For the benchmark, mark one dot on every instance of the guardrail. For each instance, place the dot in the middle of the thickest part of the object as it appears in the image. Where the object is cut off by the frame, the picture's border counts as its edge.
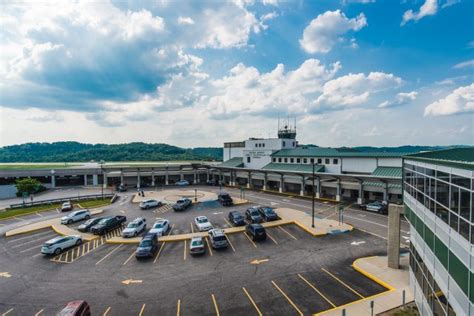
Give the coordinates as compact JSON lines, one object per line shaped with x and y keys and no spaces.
{"x":64,"y":199}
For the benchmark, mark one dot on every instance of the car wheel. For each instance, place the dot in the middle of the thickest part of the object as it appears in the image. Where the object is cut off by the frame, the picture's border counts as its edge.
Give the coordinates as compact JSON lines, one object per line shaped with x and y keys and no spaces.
{"x":69,"y":222}
{"x":78,"y":242}
{"x":57,"y":251}
{"x":88,"y":217}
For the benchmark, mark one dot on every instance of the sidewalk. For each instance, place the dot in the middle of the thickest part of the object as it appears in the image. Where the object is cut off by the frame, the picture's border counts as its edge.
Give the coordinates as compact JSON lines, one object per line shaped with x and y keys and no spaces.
{"x":395,"y":280}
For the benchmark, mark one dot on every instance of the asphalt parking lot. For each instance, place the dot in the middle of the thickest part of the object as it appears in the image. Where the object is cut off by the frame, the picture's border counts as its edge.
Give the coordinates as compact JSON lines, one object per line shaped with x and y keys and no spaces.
{"x":289,"y":273}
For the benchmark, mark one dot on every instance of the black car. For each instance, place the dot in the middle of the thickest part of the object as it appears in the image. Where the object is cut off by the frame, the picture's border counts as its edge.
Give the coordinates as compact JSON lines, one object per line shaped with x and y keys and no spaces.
{"x":107,"y":224}
{"x":86,"y":226}
{"x":121,"y":188}
{"x":256,"y":231}
{"x":212,"y":182}
{"x":236,"y":218}
{"x":182,"y":204}
{"x":147,"y":247}
{"x":225,"y":199}
{"x":253,"y":216}
{"x":268,"y":214}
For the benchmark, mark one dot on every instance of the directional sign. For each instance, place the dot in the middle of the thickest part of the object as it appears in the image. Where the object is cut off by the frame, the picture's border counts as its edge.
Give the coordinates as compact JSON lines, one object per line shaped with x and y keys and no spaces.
{"x":131,"y":281}
{"x":258,"y":261}
{"x":357,"y":243}
{"x":5,"y":274}
{"x":273,"y":203}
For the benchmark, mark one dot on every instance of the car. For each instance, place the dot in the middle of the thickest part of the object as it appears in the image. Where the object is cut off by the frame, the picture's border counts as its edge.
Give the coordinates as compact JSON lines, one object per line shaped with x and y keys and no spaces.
{"x":86,"y":226}
{"x":146,"y":204}
{"x":377,"y":206}
{"x":67,"y":206}
{"x":134,"y":228}
{"x":268,"y":214}
{"x":182,"y":182}
{"x":236,"y":218}
{"x":218,"y":238}
{"x":225,"y":199}
{"x":212,"y":182}
{"x":256,"y":231}
{"x":253,"y":216}
{"x":107,"y":224}
{"x":75,"y":308}
{"x":202,"y":223}
{"x":121,"y":188}
{"x":160,"y":227}
{"x":182,"y":204}
{"x":147,"y":247}
{"x":196,"y":246}
{"x":58,"y":244}
{"x":75,"y":217}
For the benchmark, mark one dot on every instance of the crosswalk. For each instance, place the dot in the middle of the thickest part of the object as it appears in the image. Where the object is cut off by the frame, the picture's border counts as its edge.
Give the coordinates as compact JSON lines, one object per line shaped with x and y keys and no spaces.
{"x":163,"y":209}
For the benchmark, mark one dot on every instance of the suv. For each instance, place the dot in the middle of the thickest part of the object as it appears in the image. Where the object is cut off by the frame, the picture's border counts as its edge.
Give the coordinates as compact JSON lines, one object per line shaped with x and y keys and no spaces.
{"x":253,"y":216}
{"x":146,"y":204}
{"x":202,"y":223}
{"x":67,"y":206}
{"x":268,"y":214}
{"x":256,"y":231}
{"x":75,"y":217}
{"x":236,"y":218}
{"x":107,"y":224}
{"x":147,"y":247}
{"x":134,"y":228}
{"x":60,"y":243}
{"x":75,"y":308}
{"x":160,"y":227}
{"x":218,"y":238}
{"x":225,"y":199}
{"x":182,"y":204}
{"x":121,"y":188}
{"x":377,"y":206}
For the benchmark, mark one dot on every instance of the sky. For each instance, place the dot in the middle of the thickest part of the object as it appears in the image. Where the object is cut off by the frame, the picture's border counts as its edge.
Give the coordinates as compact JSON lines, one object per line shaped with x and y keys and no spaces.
{"x":200,"y":73}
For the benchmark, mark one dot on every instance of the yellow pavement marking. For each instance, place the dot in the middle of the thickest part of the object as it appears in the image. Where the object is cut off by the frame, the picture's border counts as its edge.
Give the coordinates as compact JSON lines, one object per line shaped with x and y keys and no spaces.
{"x":78,"y":251}
{"x":39,"y":312}
{"x":39,"y":214}
{"x":289,"y":234}
{"x":106,"y":311}
{"x":132,"y":281}
{"x":110,"y":253}
{"x":8,"y":312}
{"x":252,"y":301}
{"x":230,"y":243}
{"x":228,"y":223}
{"x":342,"y":282}
{"x":184,"y":256}
{"x":273,"y":239}
{"x":129,"y":258}
{"x":159,"y":251}
{"x":141,"y":310}
{"x":67,"y":255}
{"x":215,"y":304}
{"x":287,"y":298}
{"x":192,"y":228}
{"x":178,"y":308}
{"x":88,"y":247}
{"x":208,"y":246}
{"x":172,"y":226}
{"x":258,"y":261}
{"x":253,"y":243}
{"x":5,"y":274}
{"x":316,"y":290}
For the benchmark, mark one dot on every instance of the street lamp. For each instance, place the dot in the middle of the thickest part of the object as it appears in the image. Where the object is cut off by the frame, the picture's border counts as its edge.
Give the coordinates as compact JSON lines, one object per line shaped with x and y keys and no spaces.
{"x":101,"y":163}
{"x":312,"y":200}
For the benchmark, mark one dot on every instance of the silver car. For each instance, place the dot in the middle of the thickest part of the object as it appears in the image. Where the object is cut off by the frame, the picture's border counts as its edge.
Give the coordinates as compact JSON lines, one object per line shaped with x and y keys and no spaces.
{"x":196,"y":246}
{"x":58,"y":244}
{"x":75,"y":217}
{"x":134,"y":228}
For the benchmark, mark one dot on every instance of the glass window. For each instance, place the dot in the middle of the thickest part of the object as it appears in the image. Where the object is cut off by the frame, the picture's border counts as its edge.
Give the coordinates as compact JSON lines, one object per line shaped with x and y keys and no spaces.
{"x":279,"y":159}
{"x":429,"y":172}
{"x":286,"y":160}
{"x":326,"y":161}
{"x":256,"y":145}
{"x":442,"y":176}
{"x":248,"y":159}
{"x":464,"y":228}
{"x":283,"y":143}
{"x":442,"y":193}
{"x":334,"y":161}
{"x":274,"y":159}
{"x":263,"y":145}
{"x":454,"y":200}
{"x":311,"y":160}
{"x":461,"y":181}
{"x":292,"y":160}
{"x":465,"y":204}
{"x":320,"y":160}
{"x":298,"y":160}
{"x":453,"y":221}
{"x":442,"y":213}
{"x":305,"y":160}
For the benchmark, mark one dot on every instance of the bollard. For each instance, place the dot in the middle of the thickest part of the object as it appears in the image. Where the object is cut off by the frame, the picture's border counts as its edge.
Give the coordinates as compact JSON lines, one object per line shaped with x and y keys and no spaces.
{"x":403,"y":297}
{"x":344,"y":312}
{"x":372,"y":308}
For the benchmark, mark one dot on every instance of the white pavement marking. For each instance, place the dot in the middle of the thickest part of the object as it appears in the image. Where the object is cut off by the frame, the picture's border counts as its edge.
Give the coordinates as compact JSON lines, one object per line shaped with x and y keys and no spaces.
{"x":27,"y":237}
{"x":357,"y":243}
{"x":370,"y":222}
{"x":29,"y":249}
{"x":29,"y":242}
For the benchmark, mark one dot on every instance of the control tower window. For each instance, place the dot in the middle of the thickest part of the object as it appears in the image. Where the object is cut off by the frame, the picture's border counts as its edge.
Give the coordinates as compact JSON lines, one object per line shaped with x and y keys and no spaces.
{"x":284,"y":144}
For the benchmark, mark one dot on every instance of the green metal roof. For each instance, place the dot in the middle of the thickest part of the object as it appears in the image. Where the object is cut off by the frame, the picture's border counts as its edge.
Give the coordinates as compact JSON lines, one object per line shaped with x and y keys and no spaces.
{"x":333,"y":152}
{"x":454,"y":157}
{"x":293,"y":167}
{"x":381,"y":185}
{"x":233,"y":163}
{"x":388,"y":172}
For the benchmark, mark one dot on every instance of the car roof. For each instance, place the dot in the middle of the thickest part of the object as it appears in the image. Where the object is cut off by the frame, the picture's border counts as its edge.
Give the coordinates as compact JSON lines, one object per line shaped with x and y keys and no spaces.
{"x":217,"y":231}
{"x":55,"y":239}
{"x":255,"y":225}
{"x":137,"y":220}
{"x":201,"y":217}
{"x":235,"y":212}
{"x":149,"y":236}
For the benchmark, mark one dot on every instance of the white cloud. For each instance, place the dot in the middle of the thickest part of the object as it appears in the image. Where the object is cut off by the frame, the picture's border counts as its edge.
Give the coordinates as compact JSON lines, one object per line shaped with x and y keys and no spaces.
{"x":430,"y":7}
{"x":465,"y":64}
{"x":461,"y":100}
{"x":326,"y":30}
{"x":449,"y":3}
{"x":185,"y":20}
{"x":401,"y":98}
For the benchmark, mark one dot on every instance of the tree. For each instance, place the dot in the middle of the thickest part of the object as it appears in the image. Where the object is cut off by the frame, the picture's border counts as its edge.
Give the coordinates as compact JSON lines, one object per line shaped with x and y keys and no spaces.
{"x":27,"y":185}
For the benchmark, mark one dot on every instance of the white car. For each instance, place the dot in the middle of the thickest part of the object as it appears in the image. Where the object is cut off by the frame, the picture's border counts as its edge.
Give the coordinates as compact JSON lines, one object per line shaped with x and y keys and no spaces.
{"x":134,"y":228}
{"x":196,"y":246}
{"x":182,"y":182}
{"x":202,"y":223}
{"x":146,"y":204}
{"x":75,"y":217}
{"x":58,"y":244}
{"x":160,"y":227}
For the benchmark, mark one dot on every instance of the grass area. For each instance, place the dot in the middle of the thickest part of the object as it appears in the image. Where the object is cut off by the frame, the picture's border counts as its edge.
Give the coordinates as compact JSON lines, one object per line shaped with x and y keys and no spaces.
{"x":94,"y":203}
{"x":27,"y":166}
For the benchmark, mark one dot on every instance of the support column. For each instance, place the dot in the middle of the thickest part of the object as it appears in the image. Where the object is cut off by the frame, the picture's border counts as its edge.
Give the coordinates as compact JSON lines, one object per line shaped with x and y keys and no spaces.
{"x":265,"y":180}
{"x":195,"y":177}
{"x":95,"y":179}
{"x":53,"y":181}
{"x":85,"y":180}
{"x":166,"y":177}
{"x":393,"y":244}
{"x":220,"y":177}
{"x":207,"y":175}
{"x":249,"y":180}
{"x":121,"y":178}
{"x":303,"y":180}
{"x":139,"y":180}
{"x":281,"y":189}
{"x":360,"y":199}
{"x":385,"y":192}
{"x":152,"y":177}
{"x":231,"y":178}
{"x":338,"y":190}
{"x":318,"y":188}
{"x":104,"y":180}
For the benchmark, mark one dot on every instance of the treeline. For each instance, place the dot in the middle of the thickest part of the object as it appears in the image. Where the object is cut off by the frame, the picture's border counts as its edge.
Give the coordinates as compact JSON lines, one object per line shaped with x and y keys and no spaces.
{"x":75,"y":151}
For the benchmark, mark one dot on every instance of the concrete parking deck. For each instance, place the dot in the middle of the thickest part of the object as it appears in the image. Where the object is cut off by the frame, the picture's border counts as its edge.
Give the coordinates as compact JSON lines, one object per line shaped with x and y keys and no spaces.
{"x":395,"y":280}
{"x":54,"y":224}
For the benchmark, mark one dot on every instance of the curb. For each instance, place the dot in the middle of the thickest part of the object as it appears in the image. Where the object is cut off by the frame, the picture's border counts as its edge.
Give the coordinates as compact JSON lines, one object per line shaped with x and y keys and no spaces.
{"x":370,"y":276}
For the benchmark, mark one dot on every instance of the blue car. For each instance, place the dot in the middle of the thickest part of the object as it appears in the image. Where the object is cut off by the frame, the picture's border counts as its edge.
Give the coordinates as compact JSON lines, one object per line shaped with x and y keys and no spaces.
{"x":147,"y":247}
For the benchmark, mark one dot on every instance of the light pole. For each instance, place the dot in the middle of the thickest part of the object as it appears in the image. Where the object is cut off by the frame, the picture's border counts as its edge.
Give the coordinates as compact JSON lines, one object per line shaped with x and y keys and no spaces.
{"x":312,"y":201}
{"x":103,"y":179}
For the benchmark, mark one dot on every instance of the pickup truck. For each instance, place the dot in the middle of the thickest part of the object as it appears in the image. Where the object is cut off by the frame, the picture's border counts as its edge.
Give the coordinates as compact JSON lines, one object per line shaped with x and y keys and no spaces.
{"x":182,"y":204}
{"x":107,"y":224}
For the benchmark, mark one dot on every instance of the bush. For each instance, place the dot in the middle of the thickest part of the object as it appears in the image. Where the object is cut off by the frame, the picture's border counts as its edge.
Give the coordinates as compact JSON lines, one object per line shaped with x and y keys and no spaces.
{"x":28,"y":186}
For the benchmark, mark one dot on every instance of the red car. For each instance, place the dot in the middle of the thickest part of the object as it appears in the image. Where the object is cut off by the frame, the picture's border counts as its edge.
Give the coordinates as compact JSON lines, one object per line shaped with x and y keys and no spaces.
{"x":76,"y":308}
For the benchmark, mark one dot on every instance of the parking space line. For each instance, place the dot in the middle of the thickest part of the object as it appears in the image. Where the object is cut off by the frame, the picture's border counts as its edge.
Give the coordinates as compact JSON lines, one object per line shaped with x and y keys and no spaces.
{"x":251,"y":241}
{"x":110,"y":253}
{"x":159,"y":251}
{"x":343,"y":283}
{"x":19,"y":218}
{"x":215,"y":304}
{"x":230,"y":243}
{"x":106,"y":311}
{"x":172,"y":226}
{"x":8,"y":312}
{"x":184,"y":250}
{"x":129,"y":258}
{"x":141,"y":310}
{"x":287,"y":298}
{"x":25,"y":243}
{"x":252,"y":301}
{"x":208,"y":246}
{"x":316,"y":290}
{"x":228,"y":223}
{"x":192,"y":228}
{"x":67,"y":255}
{"x":29,"y":236}
{"x":273,"y":239}
{"x":39,"y":312}
{"x":178,"y":308}
{"x":39,"y":214}
{"x":28,"y":249}
{"x":289,"y":234}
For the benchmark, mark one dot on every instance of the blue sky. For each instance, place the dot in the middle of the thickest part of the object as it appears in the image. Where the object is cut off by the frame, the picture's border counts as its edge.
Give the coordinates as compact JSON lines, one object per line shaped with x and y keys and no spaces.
{"x":352,"y":72}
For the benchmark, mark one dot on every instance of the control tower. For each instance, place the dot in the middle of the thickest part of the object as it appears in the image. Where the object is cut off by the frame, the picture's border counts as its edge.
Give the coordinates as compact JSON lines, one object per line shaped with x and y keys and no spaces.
{"x":287,"y":131}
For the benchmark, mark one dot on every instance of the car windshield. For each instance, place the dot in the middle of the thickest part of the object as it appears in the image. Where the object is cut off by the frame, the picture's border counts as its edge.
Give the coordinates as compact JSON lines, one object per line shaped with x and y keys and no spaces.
{"x":103,"y":221}
{"x":158,"y":225}
{"x":91,"y":221}
{"x":259,"y":230}
{"x":269,"y":211}
{"x":202,"y":220}
{"x":196,"y":243}
{"x":254,"y":213}
{"x":238,"y":216}
{"x":145,"y":243}
{"x":180,"y":201}
{"x":132,"y":225}
{"x":219,"y":238}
